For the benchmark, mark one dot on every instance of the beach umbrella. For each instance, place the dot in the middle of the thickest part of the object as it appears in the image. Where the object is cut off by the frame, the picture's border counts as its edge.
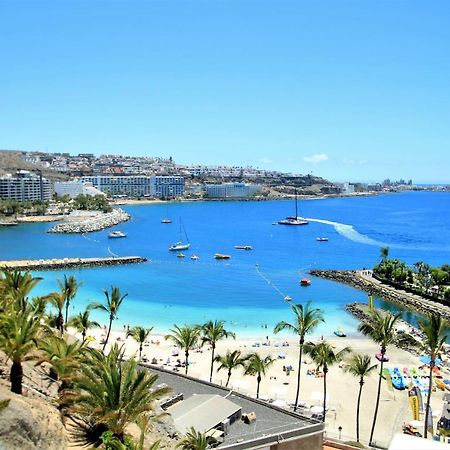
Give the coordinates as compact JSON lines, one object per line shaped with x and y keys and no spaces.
{"x":426,"y":360}
{"x":280,"y":403}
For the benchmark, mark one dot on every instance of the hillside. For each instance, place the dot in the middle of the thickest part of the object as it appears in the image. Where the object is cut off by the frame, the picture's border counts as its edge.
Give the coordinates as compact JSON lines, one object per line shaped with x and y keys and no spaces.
{"x":11,"y":161}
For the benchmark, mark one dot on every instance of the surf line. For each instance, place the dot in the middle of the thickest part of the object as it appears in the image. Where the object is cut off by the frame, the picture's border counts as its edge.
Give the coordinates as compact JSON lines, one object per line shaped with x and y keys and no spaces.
{"x":89,"y":239}
{"x":270,"y":283}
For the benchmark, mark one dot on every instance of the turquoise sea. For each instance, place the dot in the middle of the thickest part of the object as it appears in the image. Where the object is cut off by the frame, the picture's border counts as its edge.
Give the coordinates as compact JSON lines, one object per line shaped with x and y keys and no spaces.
{"x":248,"y":290}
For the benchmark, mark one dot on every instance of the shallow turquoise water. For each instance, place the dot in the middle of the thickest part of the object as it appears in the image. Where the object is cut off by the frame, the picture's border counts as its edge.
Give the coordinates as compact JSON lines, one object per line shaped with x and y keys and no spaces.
{"x":247,"y":291}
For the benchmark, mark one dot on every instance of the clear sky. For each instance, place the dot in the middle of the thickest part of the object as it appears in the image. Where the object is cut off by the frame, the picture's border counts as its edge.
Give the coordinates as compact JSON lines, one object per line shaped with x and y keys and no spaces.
{"x":345,"y":89}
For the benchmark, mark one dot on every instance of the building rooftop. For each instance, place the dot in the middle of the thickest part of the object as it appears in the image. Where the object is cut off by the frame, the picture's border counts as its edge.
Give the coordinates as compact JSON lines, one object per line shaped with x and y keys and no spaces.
{"x":272,"y":424}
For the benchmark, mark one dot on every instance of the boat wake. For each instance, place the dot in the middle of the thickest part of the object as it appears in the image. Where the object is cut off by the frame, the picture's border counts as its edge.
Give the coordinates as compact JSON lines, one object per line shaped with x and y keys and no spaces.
{"x":89,"y":239}
{"x":349,"y":232}
{"x":112,"y":253}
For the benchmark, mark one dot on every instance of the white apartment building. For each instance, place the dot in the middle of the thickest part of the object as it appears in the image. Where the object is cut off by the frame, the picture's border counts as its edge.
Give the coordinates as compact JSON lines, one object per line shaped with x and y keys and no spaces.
{"x":25,"y":186}
{"x":138,"y":186}
{"x":232,"y":190}
{"x":75,"y":188}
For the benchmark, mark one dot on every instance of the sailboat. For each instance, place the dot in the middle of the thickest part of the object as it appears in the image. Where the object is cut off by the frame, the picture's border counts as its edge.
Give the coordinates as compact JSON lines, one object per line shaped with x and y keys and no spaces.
{"x":293,"y":220}
{"x":178,"y":246}
{"x":166,"y":219}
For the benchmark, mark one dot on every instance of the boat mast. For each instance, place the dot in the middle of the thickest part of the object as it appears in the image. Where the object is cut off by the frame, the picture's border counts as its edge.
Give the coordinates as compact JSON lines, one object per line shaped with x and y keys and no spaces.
{"x":296,"y":214}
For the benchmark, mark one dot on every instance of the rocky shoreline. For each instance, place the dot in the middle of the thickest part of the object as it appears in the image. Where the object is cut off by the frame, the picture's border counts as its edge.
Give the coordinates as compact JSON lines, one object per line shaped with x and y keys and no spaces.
{"x":368,"y":284}
{"x":96,"y":223}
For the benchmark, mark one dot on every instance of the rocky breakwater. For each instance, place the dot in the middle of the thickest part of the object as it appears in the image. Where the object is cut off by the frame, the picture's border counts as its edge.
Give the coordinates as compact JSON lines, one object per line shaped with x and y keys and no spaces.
{"x":362,"y":280}
{"x":90,"y":224}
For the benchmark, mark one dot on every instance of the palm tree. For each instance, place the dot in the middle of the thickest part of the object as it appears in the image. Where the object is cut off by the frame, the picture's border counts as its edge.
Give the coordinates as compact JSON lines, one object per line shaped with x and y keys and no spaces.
{"x":58,"y":300}
{"x":16,"y":286}
{"x":140,"y":335}
{"x":230,"y":361}
{"x":194,"y":440}
{"x":255,"y":365}
{"x":69,"y":288}
{"x":112,"y":305}
{"x":381,"y":329}
{"x":110,"y":393}
{"x":306,"y":320}
{"x":434,"y":330}
{"x":212,"y":333}
{"x":360,"y":366}
{"x":82,"y":323}
{"x":19,"y":333}
{"x":384,"y":253}
{"x":324,"y":356}
{"x":186,"y":338}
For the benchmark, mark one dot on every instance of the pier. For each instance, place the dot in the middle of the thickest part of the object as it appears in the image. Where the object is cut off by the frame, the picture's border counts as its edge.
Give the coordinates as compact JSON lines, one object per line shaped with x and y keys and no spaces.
{"x":69,"y":263}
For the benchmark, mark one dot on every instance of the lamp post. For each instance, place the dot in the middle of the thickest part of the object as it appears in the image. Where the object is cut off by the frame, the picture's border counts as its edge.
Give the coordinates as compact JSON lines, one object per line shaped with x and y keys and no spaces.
{"x":340,"y":431}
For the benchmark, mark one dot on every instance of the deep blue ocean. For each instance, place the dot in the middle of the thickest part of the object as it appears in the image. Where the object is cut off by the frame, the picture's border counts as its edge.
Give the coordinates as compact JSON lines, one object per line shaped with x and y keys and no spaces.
{"x":248,"y":290}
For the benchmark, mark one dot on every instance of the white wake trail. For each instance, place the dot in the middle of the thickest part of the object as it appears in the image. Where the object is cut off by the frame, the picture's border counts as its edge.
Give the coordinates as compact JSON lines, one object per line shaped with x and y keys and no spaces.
{"x":349,"y":232}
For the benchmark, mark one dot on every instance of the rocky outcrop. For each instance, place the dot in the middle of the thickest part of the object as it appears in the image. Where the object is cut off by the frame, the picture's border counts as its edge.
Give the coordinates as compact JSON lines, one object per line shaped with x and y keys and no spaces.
{"x":374,"y":286}
{"x":29,"y":424}
{"x":96,"y":223}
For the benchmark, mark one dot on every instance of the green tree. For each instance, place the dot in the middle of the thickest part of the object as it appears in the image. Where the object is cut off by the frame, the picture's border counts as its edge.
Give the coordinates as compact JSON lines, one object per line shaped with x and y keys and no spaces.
{"x":140,"y":335}
{"x":381,"y":329}
{"x":82,"y":323}
{"x":306,"y":320}
{"x":230,"y":361}
{"x":434,"y":330}
{"x":19,"y":333}
{"x":109,"y":394}
{"x":69,"y":288}
{"x":113,"y":302}
{"x":186,"y":338}
{"x":15,"y":287}
{"x":324,"y":356}
{"x":212,"y":332}
{"x":384,"y":253}
{"x":256,"y":365}
{"x":58,"y":300}
{"x":194,"y":440}
{"x":360,"y":366}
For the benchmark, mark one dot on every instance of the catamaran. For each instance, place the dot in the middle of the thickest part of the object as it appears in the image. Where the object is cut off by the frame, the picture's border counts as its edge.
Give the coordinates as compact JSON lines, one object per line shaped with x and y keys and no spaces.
{"x":294,"y":220}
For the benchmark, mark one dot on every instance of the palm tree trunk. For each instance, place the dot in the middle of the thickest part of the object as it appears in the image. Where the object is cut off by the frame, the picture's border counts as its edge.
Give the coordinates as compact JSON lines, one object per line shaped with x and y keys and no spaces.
{"x":15,"y":377}
{"x":109,"y":332}
{"x":228,"y":379}
{"x":140,"y":350}
{"x":427,"y":408}
{"x":186,"y":361}
{"x":83,"y":335}
{"x":325,"y":370}
{"x":302,"y":339}
{"x":60,"y":322}
{"x":67,"y":312}
{"x":378,"y":398}
{"x":212,"y":362}
{"x":258,"y":381}
{"x":361,"y":383}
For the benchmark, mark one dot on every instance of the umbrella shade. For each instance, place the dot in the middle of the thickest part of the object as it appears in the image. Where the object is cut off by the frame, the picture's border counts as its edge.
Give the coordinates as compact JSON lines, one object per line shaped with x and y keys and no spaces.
{"x":416,"y":423}
{"x":426,"y":360}
{"x":317,"y":409}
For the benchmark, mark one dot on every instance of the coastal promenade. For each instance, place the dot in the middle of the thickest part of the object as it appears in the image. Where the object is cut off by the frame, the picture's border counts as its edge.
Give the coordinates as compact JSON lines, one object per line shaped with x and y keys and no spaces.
{"x":69,"y":263}
{"x":363,"y":279}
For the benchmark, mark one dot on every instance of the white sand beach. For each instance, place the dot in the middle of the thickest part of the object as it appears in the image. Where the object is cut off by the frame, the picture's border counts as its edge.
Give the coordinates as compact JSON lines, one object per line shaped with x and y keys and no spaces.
{"x":278,"y":385}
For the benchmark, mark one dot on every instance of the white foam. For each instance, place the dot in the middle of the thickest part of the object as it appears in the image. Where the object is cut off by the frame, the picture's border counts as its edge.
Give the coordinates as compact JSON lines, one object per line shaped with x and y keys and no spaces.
{"x":349,"y":232}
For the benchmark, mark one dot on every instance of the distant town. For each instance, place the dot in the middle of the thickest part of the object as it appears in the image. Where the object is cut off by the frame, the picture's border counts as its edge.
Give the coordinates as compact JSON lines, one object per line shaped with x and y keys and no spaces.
{"x":41,"y":176}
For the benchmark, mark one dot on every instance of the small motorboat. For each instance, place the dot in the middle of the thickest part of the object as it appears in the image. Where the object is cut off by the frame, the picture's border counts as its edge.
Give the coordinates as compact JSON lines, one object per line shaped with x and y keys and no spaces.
{"x":305,"y":282}
{"x":243,"y":247}
{"x":181,"y":255}
{"x":166,"y":221}
{"x":380,"y":357}
{"x":340,"y":332}
{"x":117,"y":234}
{"x":221,"y":256}
{"x":322,"y":239}
{"x":194,"y":257}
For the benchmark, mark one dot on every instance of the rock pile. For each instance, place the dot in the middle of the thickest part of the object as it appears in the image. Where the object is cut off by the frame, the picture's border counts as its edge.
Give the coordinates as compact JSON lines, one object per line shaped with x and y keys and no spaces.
{"x":97,"y":223}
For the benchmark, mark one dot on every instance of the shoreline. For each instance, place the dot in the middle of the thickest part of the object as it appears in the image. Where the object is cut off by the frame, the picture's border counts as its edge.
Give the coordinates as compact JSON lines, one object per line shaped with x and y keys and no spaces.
{"x":363,"y":280}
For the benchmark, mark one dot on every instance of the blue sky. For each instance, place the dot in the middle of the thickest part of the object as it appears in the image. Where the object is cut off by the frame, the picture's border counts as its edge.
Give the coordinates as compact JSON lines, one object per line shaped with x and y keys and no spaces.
{"x":348,"y":90}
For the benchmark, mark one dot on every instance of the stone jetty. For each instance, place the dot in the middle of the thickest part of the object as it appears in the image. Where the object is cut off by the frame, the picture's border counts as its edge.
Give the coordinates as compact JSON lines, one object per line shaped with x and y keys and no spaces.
{"x":96,"y":223}
{"x":363,"y":279}
{"x":70,"y":263}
